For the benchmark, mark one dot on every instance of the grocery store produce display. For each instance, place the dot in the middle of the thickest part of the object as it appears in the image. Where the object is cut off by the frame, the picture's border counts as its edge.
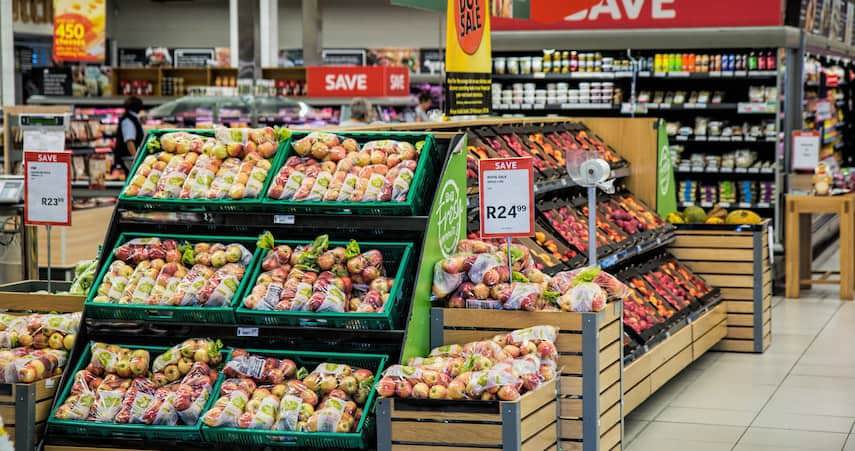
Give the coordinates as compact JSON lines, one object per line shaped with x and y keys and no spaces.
{"x":327,"y":167}
{"x":479,"y":276}
{"x":123,"y":385}
{"x":226,"y":164}
{"x":34,"y":347}
{"x":503,"y":368}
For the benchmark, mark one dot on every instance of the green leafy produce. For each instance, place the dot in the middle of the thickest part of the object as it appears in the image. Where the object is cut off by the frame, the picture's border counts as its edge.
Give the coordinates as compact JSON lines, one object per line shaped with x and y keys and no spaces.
{"x":84,"y":277}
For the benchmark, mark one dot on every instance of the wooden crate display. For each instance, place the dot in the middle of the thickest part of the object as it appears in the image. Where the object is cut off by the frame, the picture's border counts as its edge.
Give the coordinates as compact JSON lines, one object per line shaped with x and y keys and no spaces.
{"x":684,"y":344}
{"x":527,"y":424}
{"x":25,"y":409}
{"x":736,"y":260}
{"x":590,"y":353}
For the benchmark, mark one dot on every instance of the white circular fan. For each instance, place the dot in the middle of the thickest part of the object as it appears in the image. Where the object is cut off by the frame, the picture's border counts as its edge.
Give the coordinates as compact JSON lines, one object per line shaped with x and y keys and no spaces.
{"x":589,"y":169}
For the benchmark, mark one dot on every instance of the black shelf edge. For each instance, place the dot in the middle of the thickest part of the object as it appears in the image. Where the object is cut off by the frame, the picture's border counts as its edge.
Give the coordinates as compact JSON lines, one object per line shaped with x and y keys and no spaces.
{"x":662,"y":239}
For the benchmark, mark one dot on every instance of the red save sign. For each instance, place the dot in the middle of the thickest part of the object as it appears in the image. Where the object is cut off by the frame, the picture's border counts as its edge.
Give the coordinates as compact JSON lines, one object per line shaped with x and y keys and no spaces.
{"x":357,"y":81}
{"x":506,"y":197}
{"x":630,"y":14}
{"x":47,"y":188}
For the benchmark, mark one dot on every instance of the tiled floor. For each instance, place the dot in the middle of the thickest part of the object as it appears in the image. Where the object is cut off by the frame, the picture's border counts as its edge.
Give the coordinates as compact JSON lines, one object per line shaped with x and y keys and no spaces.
{"x":799,"y":395}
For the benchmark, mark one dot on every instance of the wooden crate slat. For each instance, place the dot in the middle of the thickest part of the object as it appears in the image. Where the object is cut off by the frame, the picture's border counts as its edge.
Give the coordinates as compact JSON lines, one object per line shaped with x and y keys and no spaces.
{"x":610,"y":418}
{"x":609,"y":397}
{"x":663,"y":352}
{"x":570,"y":407}
{"x":457,"y":433}
{"x":610,"y":354}
{"x":571,"y":385}
{"x":636,"y":395}
{"x":704,"y":343}
{"x":45,"y":388}
{"x":735,"y":255}
{"x":636,"y":371}
{"x":670,"y":369}
{"x":412,"y":447}
{"x":724,"y":280}
{"x":610,"y":438}
{"x":570,"y":429}
{"x":533,"y":400}
{"x":42,"y":410}
{"x":737,"y":294}
{"x":441,"y":415}
{"x":714,"y":241}
{"x":702,"y":268}
{"x":546,"y":438}
{"x":610,"y":334}
{"x":512,"y":319}
{"x":89,"y":448}
{"x":609,"y":376}
{"x":570,"y":364}
{"x":708,"y":320}
{"x":567,"y":445}
{"x":533,"y":423}
{"x":740,"y":319}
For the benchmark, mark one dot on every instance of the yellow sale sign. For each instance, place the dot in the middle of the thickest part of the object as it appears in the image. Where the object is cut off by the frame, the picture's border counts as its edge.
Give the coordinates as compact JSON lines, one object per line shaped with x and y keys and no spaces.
{"x":79,"y":30}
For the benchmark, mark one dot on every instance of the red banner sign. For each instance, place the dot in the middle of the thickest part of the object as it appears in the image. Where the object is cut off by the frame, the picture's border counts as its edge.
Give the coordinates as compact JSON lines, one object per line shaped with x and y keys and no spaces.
{"x":357,"y":81}
{"x":47,"y":188}
{"x":631,"y":14}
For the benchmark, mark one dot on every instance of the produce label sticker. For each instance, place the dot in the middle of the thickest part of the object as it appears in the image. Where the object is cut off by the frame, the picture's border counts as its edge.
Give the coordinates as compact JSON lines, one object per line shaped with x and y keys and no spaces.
{"x":47,"y":188}
{"x":506,"y":192}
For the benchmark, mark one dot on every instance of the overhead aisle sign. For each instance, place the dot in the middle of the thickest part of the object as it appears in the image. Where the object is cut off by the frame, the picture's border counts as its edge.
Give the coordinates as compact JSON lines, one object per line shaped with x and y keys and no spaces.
{"x":79,"y":30}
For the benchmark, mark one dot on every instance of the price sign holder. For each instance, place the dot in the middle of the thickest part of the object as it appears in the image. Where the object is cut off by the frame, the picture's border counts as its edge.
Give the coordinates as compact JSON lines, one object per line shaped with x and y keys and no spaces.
{"x":47,"y":174}
{"x":506,"y":199}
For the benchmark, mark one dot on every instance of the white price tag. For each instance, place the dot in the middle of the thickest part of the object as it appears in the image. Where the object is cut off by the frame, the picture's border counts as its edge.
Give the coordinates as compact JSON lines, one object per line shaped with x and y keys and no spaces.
{"x":806,"y":146}
{"x":506,"y":192}
{"x":247,"y":332}
{"x":283,"y":219}
{"x":47,"y":188}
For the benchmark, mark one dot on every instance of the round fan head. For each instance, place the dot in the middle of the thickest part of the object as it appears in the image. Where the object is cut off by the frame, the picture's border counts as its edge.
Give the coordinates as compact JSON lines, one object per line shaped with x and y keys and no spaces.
{"x":587,"y":168}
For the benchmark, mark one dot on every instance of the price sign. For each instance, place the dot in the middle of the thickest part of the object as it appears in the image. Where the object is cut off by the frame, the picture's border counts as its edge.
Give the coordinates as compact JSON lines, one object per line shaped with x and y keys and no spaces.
{"x":47,"y":188}
{"x":506,"y":192}
{"x":806,"y":144}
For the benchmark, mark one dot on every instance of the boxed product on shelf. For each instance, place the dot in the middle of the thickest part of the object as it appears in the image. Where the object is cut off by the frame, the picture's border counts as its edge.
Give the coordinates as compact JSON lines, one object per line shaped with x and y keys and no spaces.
{"x":305,"y":399}
{"x":164,"y":277}
{"x":373,"y":173}
{"x":142,"y":392}
{"x":355,"y":285}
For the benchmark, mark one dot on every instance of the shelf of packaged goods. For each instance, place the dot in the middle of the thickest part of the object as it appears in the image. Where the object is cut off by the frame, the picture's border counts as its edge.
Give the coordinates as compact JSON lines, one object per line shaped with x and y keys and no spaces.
{"x":548,"y":186}
{"x":726,"y":172}
{"x":720,"y":139}
{"x":425,"y":78}
{"x":563,"y":76}
{"x":94,"y":101}
{"x":743,"y":205}
{"x":554,"y":107}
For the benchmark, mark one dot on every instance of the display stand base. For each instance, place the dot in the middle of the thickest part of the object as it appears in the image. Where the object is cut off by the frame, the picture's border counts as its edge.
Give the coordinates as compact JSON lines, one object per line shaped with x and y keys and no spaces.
{"x":590,"y":354}
{"x":25,"y":408}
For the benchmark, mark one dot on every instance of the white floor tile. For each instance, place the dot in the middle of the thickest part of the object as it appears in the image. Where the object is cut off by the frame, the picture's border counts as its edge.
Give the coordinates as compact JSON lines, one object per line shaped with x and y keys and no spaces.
{"x":790,"y":439}
{"x":661,"y":431}
{"x":723,"y":417}
{"x":771,"y":418}
{"x":724,"y":394}
{"x":631,"y":429}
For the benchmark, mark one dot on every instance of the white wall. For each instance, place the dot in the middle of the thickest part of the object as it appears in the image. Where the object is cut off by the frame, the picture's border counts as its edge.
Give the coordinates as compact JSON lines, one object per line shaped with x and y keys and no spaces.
{"x":204,"y":23}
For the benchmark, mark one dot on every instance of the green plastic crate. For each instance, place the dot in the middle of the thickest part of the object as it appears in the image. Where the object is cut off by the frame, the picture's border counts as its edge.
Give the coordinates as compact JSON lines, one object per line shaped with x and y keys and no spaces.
{"x":92,"y":429}
{"x":152,"y":203}
{"x":396,"y":259}
{"x":169,"y":313}
{"x":415,"y":198}
{"x":256,"y":437}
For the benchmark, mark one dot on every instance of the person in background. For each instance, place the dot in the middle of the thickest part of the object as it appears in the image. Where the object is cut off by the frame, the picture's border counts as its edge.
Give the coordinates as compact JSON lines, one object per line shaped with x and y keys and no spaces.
{"x":361,"y":112}
{"x":424,"y":106}
{"x":129,"y":134}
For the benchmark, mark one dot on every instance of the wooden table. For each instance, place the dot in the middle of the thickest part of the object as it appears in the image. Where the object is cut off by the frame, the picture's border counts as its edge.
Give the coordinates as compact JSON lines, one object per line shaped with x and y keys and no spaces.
{"x":798,"y":241}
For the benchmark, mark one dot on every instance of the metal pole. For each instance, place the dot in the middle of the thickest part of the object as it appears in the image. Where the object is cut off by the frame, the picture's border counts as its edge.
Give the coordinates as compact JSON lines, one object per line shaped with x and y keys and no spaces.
{"x":48,"y":260}
{"x":592,"y":225}
{"x":510,"y":262}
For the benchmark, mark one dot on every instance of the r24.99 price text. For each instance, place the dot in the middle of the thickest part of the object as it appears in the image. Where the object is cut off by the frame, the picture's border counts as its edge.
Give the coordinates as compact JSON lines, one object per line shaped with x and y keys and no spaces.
{"x":504,"y":212}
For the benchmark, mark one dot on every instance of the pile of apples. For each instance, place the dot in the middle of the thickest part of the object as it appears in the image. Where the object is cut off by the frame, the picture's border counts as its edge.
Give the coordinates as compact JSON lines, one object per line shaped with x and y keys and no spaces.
{"x":270,"y":393}
{"x":184,"y":165}
{"x":120,"y":386}
{"x":643,"y":310}
{"x":33,"y":347}
{"x":504,"y":368}
{"x":317,"y":278}
{"x":163,"y":272}
{"x":330,"y":168}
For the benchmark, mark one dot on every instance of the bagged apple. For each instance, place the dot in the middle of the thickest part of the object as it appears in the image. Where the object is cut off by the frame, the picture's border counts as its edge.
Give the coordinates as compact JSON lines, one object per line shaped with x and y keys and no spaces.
{"x":263,"y":370}
{"x":197,"y":349}
{"x":261,"y":411}
{"x":141,"y":387}
{"x":79,"y":403}
{"x":108,"y":398}
{"x":227,"y":409}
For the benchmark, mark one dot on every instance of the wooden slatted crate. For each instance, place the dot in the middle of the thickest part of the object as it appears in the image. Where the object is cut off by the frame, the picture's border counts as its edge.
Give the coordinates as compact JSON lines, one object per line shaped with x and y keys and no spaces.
{"x":527,"y":424}
{"x":590,"y":355}
{"x":686,"y":342}
{"x":25,"y":409}
{"x":736,"y":260}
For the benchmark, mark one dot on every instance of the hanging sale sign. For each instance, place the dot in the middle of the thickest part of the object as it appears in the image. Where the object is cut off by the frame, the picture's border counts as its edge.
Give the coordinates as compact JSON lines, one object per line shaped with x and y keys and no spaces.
{"x":506,"y":197}
{"x":638,"y":14}
{"x":79,"y":30}
{"x":357,"y":81}
{"x":47,"y":188}
{"x":467,"y":58}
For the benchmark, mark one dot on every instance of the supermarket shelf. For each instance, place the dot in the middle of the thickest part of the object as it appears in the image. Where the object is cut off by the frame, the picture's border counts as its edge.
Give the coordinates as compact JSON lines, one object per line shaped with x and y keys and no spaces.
{"x":426,"y":78}
{"x":661,"y":239}
{"x":154,"y":101}
{"x":724,"y":171}
{"x":377,"y":101}
{"x":750,"y":206}
{"x":720,"y":139}
{"x":629,"y":74}
{"x":555,"y":107}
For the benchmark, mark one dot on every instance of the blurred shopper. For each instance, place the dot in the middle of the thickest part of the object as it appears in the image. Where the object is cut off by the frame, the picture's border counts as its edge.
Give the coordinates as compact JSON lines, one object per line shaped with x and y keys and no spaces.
{"x":130,"y":133}
{"x":361,"y":112}
{"x":424,"y":107}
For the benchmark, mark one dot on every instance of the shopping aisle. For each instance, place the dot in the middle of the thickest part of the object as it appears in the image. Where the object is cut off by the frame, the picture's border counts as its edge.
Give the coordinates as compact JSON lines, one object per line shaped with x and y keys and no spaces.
{"x":800,"y":394}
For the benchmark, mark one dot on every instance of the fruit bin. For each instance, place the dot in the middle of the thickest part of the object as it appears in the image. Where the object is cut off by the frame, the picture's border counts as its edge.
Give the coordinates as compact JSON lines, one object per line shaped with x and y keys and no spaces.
{"x":198,"y":205}
{"x":734,"y":259}
{"x":590,"y":354}
{"x":168,"y":313}
{"x":24,"y":409}
{"x":81,"y":428}
{"x":528,"y":423}
{"x":396,"y":258}
{"x":257,"y":437}
{"x":415,"y":198}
